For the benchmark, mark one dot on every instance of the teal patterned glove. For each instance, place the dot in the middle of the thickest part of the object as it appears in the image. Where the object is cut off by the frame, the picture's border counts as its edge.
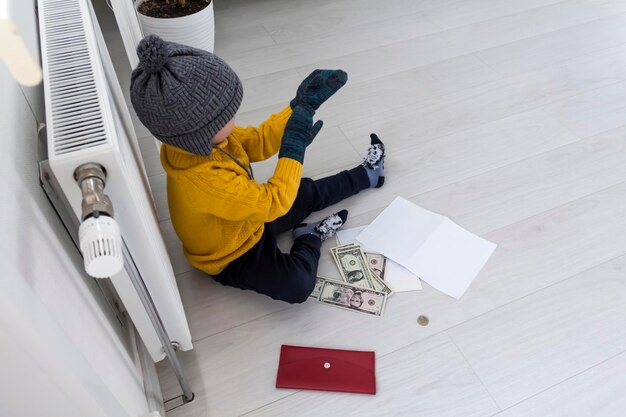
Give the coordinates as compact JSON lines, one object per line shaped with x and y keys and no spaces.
{"x":299,"y":133}
{"x":318,"y":87}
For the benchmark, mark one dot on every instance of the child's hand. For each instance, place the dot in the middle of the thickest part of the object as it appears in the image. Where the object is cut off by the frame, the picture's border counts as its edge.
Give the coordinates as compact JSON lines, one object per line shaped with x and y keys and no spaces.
{"x":318,"y":87}
{"x":299,"y":133}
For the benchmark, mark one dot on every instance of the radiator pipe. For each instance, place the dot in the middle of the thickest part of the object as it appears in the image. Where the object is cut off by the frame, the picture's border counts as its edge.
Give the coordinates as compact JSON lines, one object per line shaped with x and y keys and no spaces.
{"x":91,"y":179}
{"x":155,"y":319}
{"x":98,"y":208}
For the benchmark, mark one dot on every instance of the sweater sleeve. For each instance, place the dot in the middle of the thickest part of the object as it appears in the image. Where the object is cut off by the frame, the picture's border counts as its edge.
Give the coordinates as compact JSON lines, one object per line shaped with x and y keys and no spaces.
{"x":260,"y":143}
{"x":232,"y":196}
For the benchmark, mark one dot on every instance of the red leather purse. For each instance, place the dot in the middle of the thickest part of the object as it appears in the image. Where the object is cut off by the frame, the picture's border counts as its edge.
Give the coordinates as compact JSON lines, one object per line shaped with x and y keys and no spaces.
{"x":326,"y":369}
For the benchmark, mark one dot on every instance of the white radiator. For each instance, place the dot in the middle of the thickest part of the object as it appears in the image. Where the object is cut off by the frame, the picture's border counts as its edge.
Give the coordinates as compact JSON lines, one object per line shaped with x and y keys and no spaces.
{"x":88,"y":121}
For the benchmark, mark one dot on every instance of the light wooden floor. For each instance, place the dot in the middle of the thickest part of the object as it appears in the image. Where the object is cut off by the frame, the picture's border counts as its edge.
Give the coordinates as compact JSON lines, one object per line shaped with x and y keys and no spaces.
{"x":508,"y":116}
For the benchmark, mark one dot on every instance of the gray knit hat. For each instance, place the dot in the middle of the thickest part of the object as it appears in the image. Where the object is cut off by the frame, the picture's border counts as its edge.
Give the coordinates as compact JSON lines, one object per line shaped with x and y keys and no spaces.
{"x":183,"y":95}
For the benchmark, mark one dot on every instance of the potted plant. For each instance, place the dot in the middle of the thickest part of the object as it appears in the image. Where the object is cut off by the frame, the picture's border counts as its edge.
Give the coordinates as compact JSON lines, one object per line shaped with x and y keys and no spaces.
{"x":189,"y":22}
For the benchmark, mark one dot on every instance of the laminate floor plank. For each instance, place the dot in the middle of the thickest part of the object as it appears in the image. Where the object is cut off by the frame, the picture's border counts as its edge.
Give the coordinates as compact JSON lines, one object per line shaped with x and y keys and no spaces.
{"x":474,"y":106}
{"x":595,"y":392}
{"x":242,"y":39}
{"x":174,"y":248}
{"x":514,"y":192}
{"x":445,"y":14}
{"x":549,"y":247}
{"x":527,"y":346}
{"x":296,"y":21}
{"x":265,"y":90}
{"x":329,"y":46}
{"x":150,"y":155}
{"x":461,"y":13}
{"x":415,"y":166}
{"x":403,"y":55}
{"x":159,"y":192}
{"x":593,"y":111}
{"x":212,"y":308}
{"x":548,"y":49}
{"x":415,"y":88}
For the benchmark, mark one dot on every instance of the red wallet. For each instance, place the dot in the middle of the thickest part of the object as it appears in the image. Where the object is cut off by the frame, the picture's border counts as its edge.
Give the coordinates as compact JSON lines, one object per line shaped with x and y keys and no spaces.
{"x":326,"y":369}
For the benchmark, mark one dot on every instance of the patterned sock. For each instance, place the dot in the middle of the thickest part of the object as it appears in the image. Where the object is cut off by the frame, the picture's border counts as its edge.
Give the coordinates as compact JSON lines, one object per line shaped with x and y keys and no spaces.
{"x":374,"y":162}
{"x":323,"y":229}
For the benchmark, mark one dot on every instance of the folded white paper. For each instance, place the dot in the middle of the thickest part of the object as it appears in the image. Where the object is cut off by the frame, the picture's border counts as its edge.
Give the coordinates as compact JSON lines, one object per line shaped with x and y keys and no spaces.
{"x":429,"y":245}
{"x":398,"y":277}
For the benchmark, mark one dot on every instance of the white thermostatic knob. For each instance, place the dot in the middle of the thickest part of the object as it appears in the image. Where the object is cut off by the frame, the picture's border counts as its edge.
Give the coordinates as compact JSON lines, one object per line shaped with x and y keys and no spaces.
{"x":101,"y":245}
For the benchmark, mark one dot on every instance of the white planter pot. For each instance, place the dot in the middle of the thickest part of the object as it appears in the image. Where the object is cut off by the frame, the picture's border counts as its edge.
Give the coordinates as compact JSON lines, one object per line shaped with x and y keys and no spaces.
{"x":197,"y":30}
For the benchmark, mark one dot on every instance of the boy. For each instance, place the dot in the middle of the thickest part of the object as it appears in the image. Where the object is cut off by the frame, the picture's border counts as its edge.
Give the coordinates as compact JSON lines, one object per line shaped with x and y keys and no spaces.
{"x":227,"y":222}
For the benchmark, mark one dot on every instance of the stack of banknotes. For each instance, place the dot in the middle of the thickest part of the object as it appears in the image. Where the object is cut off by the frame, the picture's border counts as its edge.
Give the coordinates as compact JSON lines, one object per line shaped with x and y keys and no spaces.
{"x":362,"y":286}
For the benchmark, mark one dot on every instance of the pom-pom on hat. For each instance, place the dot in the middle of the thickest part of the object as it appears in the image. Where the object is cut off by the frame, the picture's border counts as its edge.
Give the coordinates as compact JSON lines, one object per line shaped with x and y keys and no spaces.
{"x":183,"y":95}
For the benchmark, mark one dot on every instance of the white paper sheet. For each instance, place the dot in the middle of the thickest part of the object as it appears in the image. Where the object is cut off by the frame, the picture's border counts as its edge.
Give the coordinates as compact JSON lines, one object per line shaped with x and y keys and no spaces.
{"x":398,"y":277}
{"x":431,"y":246}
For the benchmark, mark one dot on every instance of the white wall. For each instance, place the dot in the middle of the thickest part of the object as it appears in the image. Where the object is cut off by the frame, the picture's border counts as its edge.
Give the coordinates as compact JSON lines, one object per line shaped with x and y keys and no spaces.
{"x":61,"y":350}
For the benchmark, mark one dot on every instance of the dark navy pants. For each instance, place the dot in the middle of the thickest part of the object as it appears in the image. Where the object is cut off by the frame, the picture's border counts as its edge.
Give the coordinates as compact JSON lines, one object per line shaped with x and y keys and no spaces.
{"x":291,"y":276}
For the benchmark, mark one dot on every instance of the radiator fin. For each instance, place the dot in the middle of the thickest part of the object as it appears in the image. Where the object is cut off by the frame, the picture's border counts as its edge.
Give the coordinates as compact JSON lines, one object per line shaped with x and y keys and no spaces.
{"x":75,"y":108}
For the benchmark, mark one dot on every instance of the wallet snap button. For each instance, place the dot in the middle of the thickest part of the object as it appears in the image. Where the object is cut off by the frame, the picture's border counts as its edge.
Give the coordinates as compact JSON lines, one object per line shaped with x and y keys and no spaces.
{"x":326,"y":365}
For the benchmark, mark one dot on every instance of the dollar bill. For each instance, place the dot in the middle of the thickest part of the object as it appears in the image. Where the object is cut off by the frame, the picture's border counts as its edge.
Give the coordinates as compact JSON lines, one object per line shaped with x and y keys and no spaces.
{"x":353,"y":267}
{"x":340,"y":248}
{"x":351,"y":297}
{"x":319,"y":282}
{"x":333,"y":252}
{"x":374,"y":282}
{"x":381,"y":285}
{"x":377,"y":263}
{"x":347,"y":246}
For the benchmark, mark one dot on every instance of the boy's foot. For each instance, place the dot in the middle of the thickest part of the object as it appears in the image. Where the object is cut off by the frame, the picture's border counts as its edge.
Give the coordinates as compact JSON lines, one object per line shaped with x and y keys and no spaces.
{"x":374,"y":162}
{"x":323,"y":229}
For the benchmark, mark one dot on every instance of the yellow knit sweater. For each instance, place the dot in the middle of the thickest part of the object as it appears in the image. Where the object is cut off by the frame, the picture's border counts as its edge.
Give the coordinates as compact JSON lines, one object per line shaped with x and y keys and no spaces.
{"x":218,"y":212}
